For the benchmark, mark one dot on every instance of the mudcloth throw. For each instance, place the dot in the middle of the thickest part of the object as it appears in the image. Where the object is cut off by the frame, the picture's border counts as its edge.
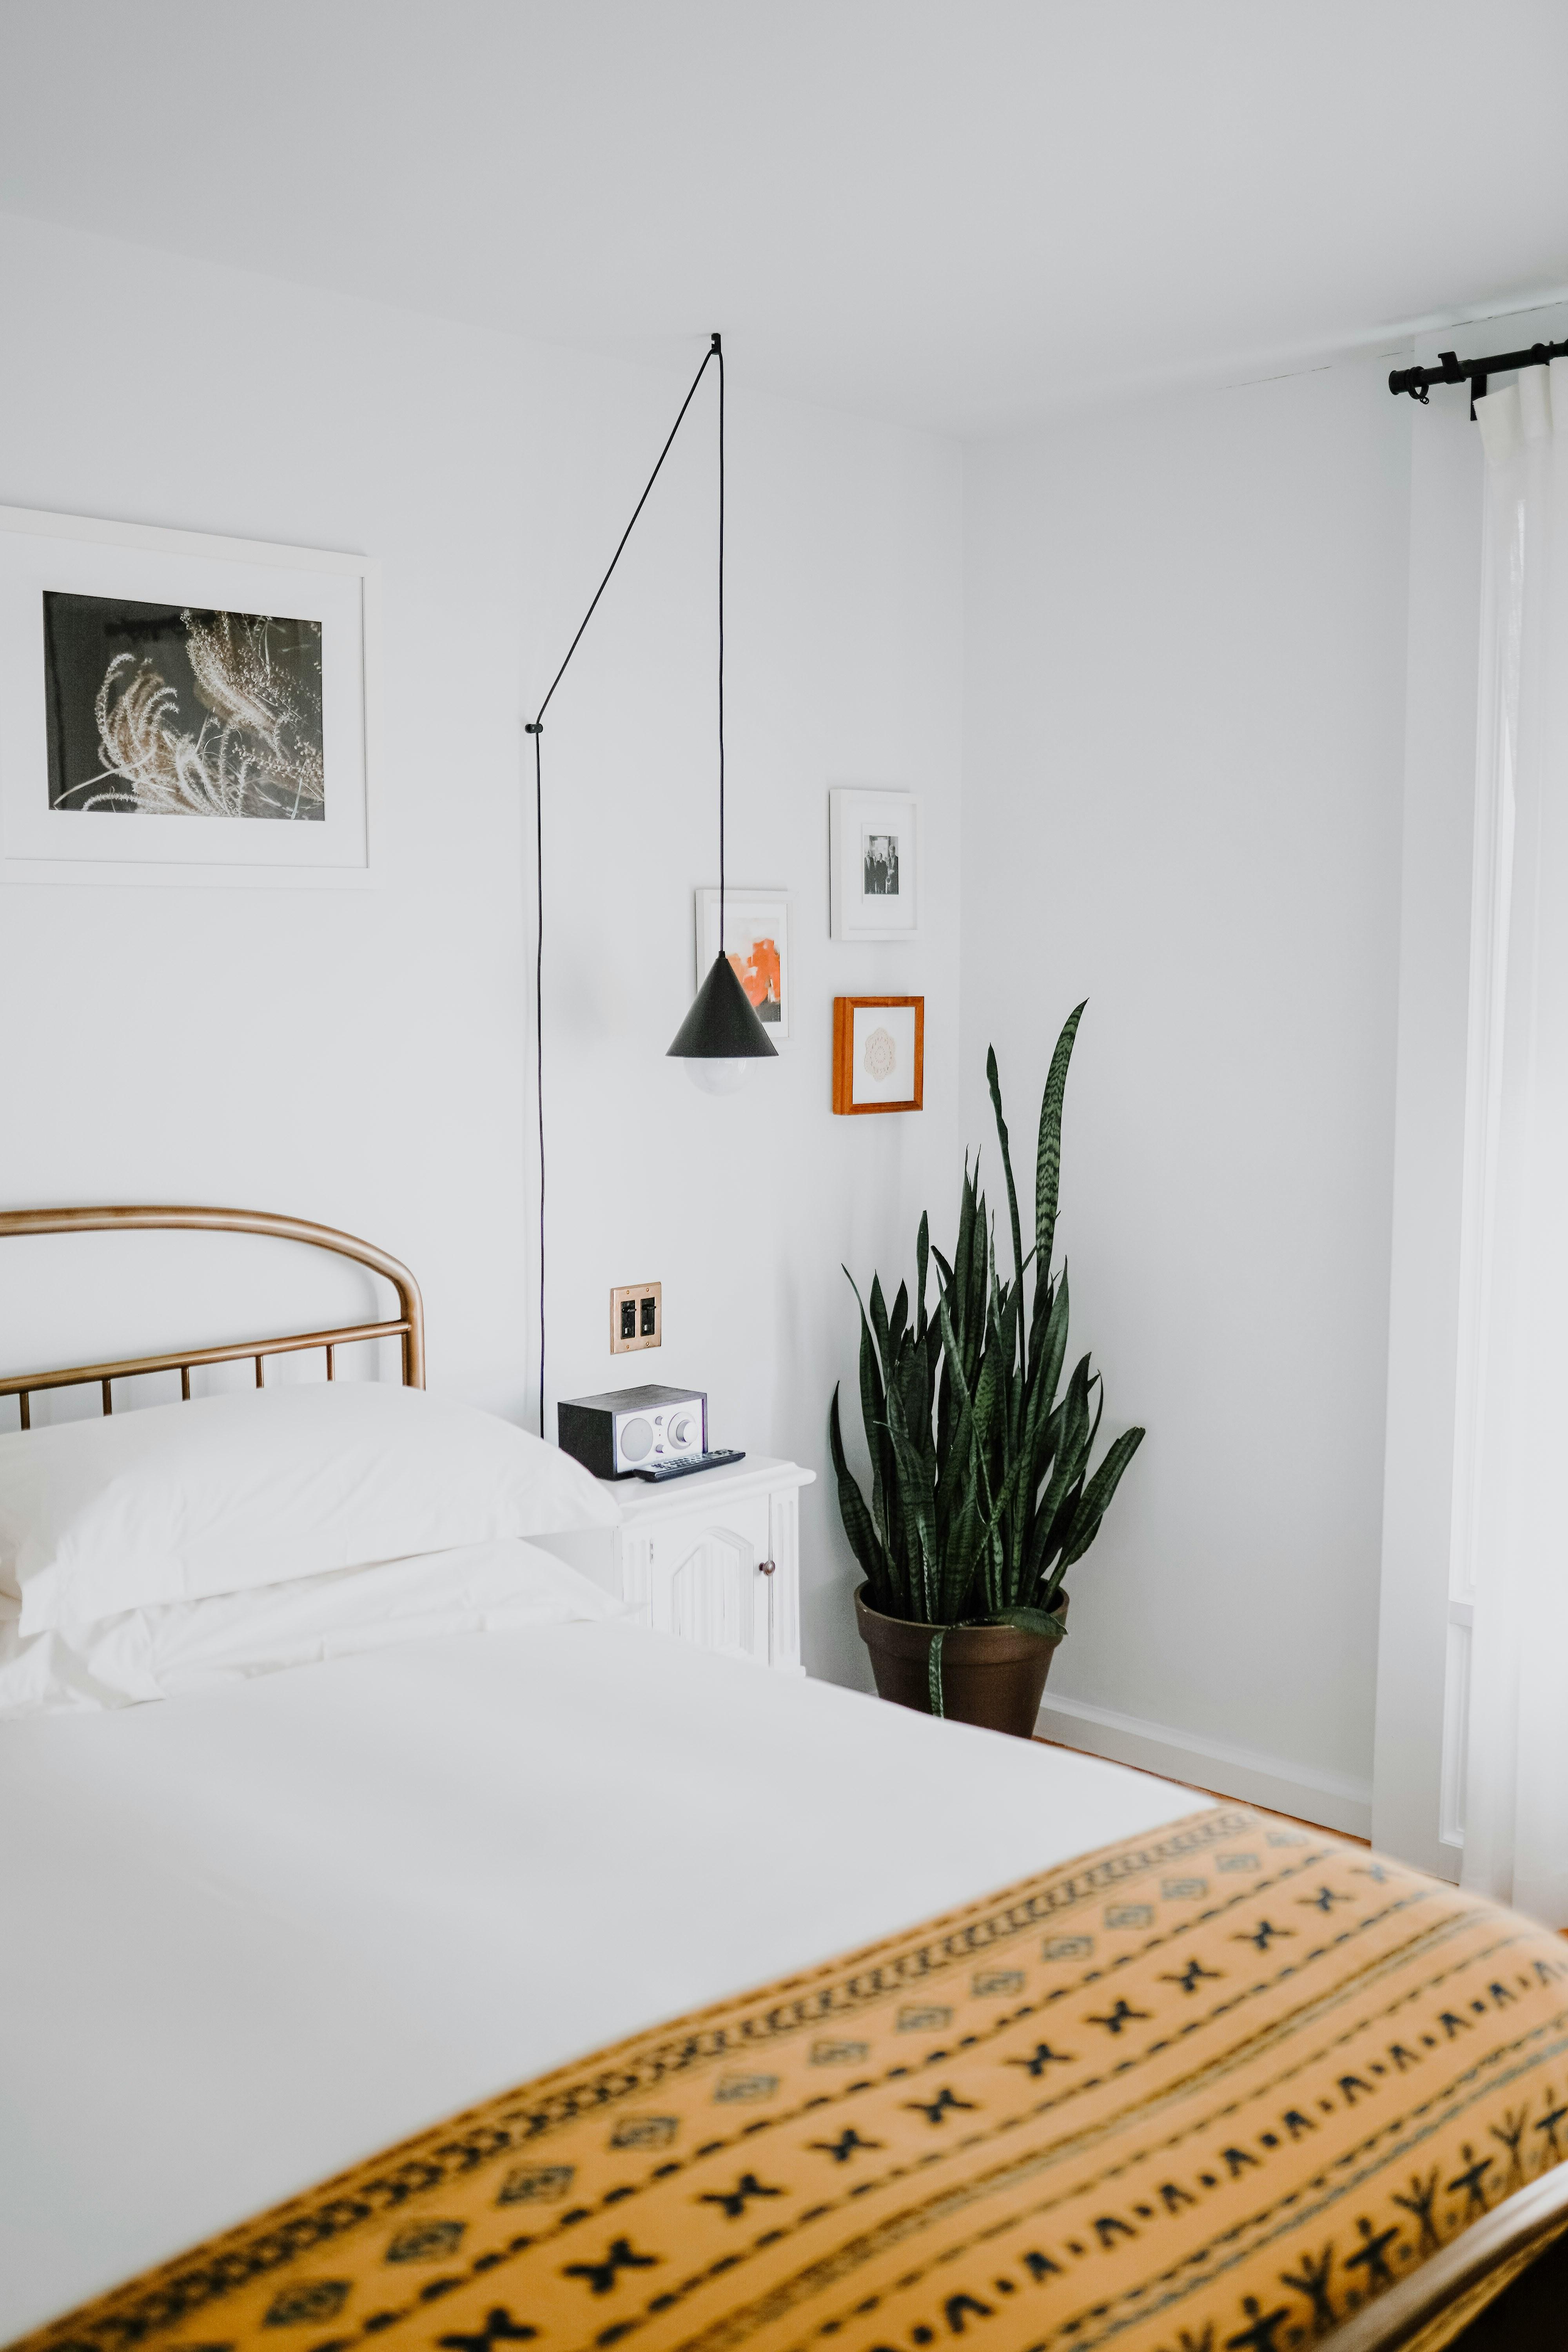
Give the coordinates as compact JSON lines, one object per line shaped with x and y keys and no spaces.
{"x":1216,"y":2086}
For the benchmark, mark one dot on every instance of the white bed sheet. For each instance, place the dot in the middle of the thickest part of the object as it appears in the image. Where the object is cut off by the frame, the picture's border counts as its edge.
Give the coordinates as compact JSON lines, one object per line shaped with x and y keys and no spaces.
{"x":250,"y":1935}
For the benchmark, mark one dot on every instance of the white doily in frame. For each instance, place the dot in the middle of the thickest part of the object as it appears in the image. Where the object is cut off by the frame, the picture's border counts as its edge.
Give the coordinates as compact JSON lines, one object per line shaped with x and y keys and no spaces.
{"x":881,"y":1055}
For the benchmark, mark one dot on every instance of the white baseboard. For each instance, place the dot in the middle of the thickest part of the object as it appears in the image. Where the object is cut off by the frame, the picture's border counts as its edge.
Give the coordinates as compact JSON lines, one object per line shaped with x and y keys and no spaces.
{"x":1255,"y":1778}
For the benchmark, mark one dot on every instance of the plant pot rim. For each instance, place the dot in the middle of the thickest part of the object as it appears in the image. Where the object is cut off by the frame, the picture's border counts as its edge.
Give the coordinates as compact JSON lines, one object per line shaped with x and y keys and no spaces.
{"x":910,"y":1636}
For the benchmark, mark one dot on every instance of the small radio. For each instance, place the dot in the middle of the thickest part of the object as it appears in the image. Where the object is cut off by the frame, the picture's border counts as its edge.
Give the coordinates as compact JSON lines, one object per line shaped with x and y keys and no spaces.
{"x":632,"y":1432}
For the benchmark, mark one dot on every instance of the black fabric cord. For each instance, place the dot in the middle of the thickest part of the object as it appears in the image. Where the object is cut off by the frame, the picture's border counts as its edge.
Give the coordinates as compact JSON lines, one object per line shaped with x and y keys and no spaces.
{"x":719,"y":349}
{"x":538,"y":1030}
{"x":535,"y":727}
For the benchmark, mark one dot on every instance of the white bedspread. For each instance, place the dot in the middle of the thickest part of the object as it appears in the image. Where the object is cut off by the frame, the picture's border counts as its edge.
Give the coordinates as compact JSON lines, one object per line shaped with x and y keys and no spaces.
{"x":248,"y":1935}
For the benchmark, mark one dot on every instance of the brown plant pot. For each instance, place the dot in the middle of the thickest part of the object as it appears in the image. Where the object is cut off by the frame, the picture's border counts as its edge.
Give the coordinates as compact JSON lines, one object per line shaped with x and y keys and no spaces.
{"x":990,"y":1675}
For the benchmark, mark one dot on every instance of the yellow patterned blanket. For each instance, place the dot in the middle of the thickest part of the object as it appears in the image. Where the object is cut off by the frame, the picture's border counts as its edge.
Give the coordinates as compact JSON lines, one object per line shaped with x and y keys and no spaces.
{"x":1206,"y":2091}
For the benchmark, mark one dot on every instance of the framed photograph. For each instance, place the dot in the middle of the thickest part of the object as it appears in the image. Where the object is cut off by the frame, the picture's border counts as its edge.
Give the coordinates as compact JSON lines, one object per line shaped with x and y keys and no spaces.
{"x":756,"y":936}
{"x":178,"y":708}
{"x":878,"y":1052}
{"x":874,"y":864}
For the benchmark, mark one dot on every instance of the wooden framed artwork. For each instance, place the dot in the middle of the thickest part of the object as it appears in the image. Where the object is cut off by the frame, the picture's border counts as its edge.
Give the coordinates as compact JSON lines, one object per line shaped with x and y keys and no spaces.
{"x":175,"y":707}
{"x":878,"y":1052}
{"x":874,"y":864}
{"x":756,"y":938}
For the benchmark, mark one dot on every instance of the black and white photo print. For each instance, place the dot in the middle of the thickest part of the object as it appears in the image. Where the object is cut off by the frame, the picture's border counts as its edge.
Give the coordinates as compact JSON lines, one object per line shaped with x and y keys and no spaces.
{"x":160,"y":710}
{"x":879,"y":860}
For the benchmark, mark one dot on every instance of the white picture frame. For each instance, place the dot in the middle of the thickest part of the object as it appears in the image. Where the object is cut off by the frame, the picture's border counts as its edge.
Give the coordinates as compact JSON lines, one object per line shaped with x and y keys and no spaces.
{"x":753,"y":919}
{"x":89,"y":571}
{"x":874,"y":863}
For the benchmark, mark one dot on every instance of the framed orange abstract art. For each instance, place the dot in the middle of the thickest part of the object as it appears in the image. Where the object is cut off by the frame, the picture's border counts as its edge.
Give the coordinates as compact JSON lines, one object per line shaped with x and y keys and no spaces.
{"x":756,"y":939}
{"x":878,"y":1052}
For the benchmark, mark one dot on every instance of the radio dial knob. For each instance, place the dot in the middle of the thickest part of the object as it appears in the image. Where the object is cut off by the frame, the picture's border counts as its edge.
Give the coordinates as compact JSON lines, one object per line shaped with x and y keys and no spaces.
{"x":682,"y":1430}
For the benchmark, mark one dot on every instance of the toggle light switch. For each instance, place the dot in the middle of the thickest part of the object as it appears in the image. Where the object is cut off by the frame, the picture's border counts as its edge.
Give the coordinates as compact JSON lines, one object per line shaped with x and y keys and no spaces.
{"x":636,"y":1316}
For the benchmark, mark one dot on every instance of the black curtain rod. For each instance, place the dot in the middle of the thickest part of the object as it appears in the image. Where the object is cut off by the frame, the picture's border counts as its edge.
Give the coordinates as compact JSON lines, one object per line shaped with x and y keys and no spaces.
{"x":1450,"y":369}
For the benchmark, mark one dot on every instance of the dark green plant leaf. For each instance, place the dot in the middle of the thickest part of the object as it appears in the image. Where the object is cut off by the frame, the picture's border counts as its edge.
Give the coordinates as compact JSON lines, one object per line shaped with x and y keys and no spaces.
{"x":1052,"y":1353}
{"x":1028,"y":1620}
{"x":934,"y":1671}
{"x":953,"y":1467}
{"x":1048,"y":1154}
{"x":919,"y":1509}
{"x":966,"y":1531}
{"x":1041,"y":1425}
{"x":857,"y":1526}
{"x":879,"y":1325}
{"x":995,"y":1083}
{"x":874,"y":1416}
{"x":988,"y":1414}
{"x":1095,"y":1500}
{"x":962,"y":1248}
{"x":944,"y":1399}
{"x":1067,"y":1473}
{"x":922,"y":1248}
{"x":977,"y":1289}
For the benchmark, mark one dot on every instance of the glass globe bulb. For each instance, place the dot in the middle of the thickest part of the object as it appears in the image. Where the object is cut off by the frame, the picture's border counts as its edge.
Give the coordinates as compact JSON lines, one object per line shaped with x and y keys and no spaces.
{"x":715,"y":1075}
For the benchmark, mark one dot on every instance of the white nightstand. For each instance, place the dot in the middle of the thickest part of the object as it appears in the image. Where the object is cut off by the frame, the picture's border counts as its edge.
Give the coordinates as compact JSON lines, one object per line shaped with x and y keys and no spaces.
{"x":713,"y":1558}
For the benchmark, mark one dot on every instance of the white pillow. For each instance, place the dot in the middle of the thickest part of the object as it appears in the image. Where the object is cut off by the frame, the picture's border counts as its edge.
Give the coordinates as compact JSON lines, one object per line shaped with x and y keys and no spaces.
{"x":187,"y":1645}
{"x":183,"y":1501}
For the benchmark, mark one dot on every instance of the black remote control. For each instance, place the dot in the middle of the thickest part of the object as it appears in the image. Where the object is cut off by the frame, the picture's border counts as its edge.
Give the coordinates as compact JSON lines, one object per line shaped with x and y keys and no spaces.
{"x":658,"y":1470}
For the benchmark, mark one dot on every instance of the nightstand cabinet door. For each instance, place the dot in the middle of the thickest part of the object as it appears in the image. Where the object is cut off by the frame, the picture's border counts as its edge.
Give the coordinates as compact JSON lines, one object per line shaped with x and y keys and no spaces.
{"x":715,"y":1559}
{"x":698,"y":1575}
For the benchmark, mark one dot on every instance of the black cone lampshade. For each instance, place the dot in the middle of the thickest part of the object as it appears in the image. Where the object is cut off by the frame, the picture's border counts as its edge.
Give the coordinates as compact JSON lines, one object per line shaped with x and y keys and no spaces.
{"x":721,"y":1025}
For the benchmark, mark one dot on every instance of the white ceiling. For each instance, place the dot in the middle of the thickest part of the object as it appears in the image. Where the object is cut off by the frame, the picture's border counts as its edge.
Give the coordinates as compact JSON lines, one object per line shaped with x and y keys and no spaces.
{"x":955,"y":212}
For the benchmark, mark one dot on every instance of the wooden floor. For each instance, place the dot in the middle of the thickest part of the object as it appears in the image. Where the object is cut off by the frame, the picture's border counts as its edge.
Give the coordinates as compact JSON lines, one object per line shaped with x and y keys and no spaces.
{"x":1217,"y":1795}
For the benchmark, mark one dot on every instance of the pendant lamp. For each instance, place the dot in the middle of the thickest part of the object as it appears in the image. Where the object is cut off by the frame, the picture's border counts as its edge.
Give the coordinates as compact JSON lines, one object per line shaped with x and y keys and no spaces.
{"x":720,"y":1036}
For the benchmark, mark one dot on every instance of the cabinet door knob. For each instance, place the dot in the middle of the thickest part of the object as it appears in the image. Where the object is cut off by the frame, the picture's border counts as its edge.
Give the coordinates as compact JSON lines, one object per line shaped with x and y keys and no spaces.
{"x":765,"y":1568}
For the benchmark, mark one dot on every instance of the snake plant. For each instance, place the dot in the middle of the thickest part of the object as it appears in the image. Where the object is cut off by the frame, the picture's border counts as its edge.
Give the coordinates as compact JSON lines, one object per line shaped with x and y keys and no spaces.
{"x":981,"y":1493}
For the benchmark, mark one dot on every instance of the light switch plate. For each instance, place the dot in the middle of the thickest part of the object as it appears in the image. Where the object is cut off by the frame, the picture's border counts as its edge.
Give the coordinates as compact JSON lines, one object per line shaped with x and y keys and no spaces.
{"x":636,"y":1316}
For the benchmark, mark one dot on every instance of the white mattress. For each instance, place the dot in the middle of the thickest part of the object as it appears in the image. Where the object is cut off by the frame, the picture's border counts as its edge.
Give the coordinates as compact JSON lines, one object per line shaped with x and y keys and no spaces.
{"x":248,"y":1935}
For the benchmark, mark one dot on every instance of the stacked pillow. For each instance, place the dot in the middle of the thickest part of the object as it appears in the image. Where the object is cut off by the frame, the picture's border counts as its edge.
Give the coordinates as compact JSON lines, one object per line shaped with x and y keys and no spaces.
{"x":200,"y":1538}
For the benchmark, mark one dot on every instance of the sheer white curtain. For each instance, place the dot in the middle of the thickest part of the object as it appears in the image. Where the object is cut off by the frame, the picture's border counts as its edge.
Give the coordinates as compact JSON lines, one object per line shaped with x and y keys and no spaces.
{"x":1512,"y":1531}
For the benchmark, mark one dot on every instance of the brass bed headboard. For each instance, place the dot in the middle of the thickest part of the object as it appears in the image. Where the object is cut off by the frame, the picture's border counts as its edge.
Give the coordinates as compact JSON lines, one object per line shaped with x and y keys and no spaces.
{"x":408,"y":1326}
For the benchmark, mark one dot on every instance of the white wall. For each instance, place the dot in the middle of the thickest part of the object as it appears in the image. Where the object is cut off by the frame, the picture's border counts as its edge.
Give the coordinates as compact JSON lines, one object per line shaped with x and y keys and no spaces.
{"x":362,"y":1058}
{"x":1184,"y":714}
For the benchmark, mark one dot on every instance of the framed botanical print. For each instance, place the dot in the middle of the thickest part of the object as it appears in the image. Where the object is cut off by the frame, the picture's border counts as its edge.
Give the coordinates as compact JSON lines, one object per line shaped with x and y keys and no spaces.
{"x":756,"y":939}
{"x":878,"y":1052}
{"x":874,"y":864}
{"x":176,"y":708}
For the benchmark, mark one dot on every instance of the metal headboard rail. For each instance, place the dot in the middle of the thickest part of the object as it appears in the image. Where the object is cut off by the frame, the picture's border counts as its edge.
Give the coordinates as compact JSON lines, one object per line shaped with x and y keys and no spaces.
{"x":408,"y":1326}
